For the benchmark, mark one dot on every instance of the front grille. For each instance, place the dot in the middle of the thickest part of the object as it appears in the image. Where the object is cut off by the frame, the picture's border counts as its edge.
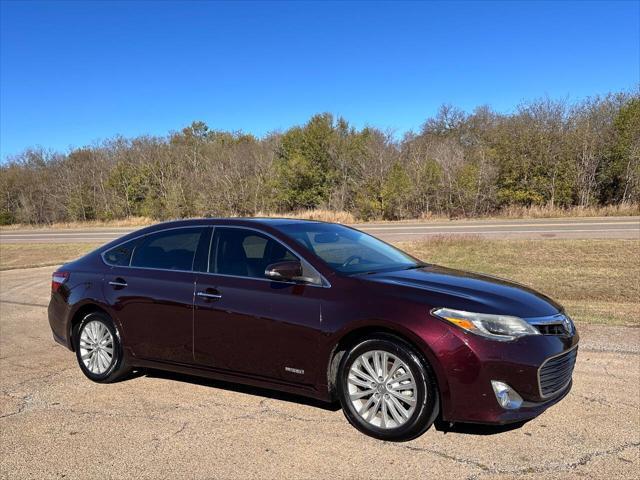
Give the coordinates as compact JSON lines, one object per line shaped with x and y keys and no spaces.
{"x":555,"y":373}
{"x":551,"y":329}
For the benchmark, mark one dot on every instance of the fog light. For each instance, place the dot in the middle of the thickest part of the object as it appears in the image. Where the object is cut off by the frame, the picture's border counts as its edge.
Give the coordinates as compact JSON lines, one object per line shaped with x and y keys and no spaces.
{"x":507,"y":397}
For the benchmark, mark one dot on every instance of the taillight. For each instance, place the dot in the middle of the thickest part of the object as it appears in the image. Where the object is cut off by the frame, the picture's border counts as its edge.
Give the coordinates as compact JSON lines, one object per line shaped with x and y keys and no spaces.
{"x":58,"y":279}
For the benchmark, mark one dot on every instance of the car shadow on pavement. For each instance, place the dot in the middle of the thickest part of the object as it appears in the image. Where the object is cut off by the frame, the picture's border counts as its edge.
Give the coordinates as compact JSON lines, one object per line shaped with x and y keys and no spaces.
{"x":440,"y":425}
{"x":247,"y":389}
{"x":476,"y":428}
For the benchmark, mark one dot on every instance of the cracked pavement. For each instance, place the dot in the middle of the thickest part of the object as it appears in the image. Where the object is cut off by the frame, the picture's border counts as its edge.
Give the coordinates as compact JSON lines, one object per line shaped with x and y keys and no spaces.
{"x":55,"y":423}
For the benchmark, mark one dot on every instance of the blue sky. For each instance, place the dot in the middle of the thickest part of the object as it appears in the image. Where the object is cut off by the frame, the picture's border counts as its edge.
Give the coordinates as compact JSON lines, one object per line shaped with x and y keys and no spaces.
{"x":72,"y":73}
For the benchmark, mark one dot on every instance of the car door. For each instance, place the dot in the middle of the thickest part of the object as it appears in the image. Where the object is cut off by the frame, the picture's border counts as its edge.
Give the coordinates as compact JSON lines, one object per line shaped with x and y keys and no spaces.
{"x":152,"y":294}
{"x":246,"y":323}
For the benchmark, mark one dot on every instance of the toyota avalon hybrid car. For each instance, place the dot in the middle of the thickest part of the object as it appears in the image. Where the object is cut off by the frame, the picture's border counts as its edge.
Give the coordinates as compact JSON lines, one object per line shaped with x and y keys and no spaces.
{"x":321,"y":310}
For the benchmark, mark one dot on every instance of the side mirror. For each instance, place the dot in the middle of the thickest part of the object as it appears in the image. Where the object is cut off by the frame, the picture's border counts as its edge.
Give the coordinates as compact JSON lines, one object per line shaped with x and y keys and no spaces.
{"x":284,"y":271}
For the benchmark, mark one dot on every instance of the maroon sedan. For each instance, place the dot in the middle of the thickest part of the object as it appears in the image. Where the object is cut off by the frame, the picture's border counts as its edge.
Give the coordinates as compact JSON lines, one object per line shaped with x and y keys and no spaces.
{"x":321,"y":310}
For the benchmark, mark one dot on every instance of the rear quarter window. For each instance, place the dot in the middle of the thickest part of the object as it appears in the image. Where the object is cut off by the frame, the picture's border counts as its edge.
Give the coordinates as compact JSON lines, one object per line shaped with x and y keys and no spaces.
{"x":120,"y":256}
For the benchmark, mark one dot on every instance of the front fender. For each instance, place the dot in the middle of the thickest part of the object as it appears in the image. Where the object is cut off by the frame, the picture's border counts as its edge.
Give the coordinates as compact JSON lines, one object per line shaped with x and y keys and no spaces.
{"x":424,"y":337}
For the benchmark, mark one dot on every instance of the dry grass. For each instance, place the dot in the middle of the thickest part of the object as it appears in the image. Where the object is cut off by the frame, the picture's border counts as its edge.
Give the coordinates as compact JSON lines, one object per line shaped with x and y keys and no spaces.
{"x":26,"y":255}
{"x":318,"y":214}
{"x":625,"y":209}
{"x":621,"y":210}
{"x":124,"y":223}
{"x":598,"y":281}
{"x":322,"y":215}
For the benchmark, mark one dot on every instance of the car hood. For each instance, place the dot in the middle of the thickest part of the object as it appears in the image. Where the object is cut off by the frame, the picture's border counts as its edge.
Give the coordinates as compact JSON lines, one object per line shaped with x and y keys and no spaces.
{"x":457,"y":289}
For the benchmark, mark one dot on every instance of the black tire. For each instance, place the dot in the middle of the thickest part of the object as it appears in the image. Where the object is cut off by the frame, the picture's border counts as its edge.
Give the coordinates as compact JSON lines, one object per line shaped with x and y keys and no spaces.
{"x":117,"y":368}
{"x":427,"y":396}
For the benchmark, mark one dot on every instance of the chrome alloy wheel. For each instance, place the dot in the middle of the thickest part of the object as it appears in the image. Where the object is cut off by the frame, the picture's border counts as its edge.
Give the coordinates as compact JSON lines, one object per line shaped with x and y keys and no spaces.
{"x":96,"y":347}
{"x":382,"y":389}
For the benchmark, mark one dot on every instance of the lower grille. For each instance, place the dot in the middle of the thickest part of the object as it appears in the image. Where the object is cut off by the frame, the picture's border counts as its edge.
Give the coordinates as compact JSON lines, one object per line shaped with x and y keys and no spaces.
{"x":555,"y":373}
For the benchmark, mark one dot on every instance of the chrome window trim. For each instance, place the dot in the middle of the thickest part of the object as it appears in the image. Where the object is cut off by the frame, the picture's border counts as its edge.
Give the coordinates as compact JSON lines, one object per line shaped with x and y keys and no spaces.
{"x":213,"y":229}
{"x":561,"y":389}
{"x":262,"y":279}
{"x":325,"y":282}
{"x":134,"y":249}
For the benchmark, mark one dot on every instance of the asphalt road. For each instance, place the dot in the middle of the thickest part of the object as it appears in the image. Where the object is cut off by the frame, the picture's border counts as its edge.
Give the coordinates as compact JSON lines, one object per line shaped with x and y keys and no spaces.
{"x":54,"y":423}
{"x":601,"y":227}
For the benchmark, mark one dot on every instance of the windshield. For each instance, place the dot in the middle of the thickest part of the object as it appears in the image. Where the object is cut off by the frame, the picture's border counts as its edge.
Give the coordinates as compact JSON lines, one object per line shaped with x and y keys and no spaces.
{"x":346,"y":250}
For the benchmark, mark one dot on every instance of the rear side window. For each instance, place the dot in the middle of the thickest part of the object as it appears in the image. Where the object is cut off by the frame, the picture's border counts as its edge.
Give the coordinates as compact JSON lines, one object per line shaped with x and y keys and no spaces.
{"x":120,"y":256}
{"x":168,"y":250}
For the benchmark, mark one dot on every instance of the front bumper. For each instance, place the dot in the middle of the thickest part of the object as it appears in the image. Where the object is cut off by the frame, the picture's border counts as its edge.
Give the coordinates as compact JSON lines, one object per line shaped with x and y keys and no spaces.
{"x":527,"y":411}
{"x":469,"y":363}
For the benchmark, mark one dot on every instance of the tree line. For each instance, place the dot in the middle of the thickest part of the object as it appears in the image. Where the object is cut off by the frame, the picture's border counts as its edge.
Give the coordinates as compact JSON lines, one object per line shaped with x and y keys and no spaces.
{"x":545,"y":153}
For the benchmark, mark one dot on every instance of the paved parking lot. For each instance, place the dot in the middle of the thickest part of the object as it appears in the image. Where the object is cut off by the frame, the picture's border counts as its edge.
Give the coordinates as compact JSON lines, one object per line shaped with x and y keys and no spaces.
{"x":54,"y":423}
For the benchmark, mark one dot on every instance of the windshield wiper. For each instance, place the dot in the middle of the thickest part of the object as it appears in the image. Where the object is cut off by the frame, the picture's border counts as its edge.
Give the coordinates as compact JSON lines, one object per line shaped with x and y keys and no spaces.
{"x":357,"y":274}
{"x":413,"y":267}
{"x":371,"y":272}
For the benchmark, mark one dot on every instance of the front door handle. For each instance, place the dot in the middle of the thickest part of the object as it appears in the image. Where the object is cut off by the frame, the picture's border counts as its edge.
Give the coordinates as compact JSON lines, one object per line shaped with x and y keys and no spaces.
{"x":209,"y":296}
{"x":118,"y":283}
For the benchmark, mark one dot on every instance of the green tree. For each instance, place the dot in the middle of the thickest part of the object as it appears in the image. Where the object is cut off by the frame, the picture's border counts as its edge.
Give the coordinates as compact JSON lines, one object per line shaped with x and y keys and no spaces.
{"x":622,"y":177}
{"x":303,"y":173}
{"x":395,"y":194}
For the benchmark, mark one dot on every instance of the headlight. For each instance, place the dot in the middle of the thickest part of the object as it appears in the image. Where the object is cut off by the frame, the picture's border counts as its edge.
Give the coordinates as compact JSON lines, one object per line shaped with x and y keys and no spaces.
{"x":495,"y":327}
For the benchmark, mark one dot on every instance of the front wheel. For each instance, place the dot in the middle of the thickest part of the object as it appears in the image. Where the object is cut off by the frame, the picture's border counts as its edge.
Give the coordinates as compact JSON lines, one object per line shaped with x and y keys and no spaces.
{"x":386,"y":390}
{"x":98,"y":348}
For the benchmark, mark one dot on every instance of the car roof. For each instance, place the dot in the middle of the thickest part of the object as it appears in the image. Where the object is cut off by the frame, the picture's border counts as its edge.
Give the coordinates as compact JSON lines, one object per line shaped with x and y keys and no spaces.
{"x":246,"y":221}
{"x":269,"y":223}
{"x":278,"y":220}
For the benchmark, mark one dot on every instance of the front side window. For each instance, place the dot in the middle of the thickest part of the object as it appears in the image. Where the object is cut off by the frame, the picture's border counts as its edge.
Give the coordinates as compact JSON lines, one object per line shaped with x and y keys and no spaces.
{"x":245,"y":253}
{"x":346,"y":250}
{"x":168,"y":250}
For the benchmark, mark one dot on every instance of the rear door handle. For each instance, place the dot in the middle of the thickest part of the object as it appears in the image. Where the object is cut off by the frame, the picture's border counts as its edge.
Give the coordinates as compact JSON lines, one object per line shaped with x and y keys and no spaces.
{"x":209,"y":296}
{"x":118,"y":283}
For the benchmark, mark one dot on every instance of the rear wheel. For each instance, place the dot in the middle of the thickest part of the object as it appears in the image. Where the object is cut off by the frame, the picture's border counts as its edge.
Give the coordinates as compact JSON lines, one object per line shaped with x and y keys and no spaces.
{"x":386,"y":390}
{"x":98,"y":348}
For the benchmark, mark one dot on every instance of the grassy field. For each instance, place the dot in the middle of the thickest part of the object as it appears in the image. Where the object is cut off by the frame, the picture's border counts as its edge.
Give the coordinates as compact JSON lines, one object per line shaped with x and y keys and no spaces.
{"x":24,"y":255}
{"x":598,"y":281}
